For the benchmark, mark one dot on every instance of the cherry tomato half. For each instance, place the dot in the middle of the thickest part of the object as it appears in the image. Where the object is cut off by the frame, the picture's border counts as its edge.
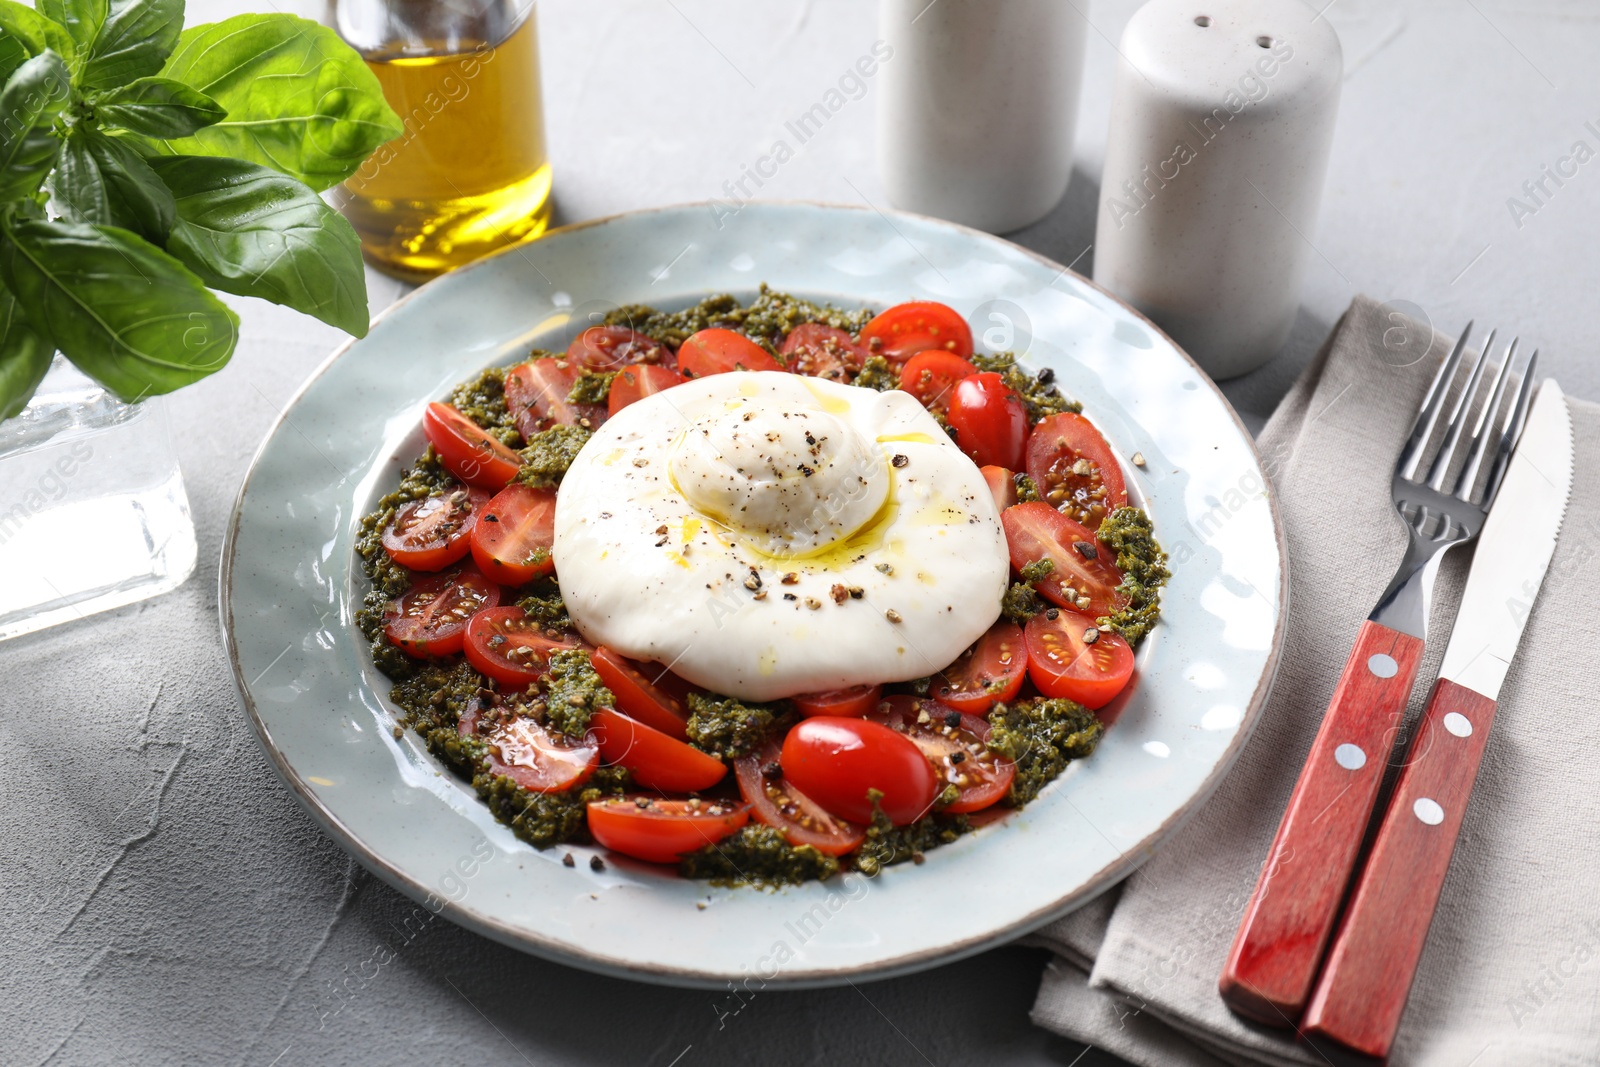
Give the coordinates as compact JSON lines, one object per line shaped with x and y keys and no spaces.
{"x":822,"y":351}
{"x":835,"y":761}
{"x":1075,"y":469}
{"x":537,"y":392}
{"x":776,"y":802}
{"x":511,"y":648}
{"x":636,"y":383}
{"x":1002,"y":484}
{"x":989,"y":420}
{"x":646,"y":692}
{"x":717,"y":351}
{"x":661,"y":831}
{"x":991,"y":670}
{"x":434,"y":532}
{"x":954,"y":745}
{"x":906,"y":329}
{"x":655,"y":760}
{"x":1063,"y":662}
{"x":521,"y":749}
{"x":430,"y":619}
{"x":608,"y":348}
{"x":467,"y":450}
{"x":513,"y":535}
{"x":857,"y":700}
{"x":1084,"y":570}
{"x":931,"y":377}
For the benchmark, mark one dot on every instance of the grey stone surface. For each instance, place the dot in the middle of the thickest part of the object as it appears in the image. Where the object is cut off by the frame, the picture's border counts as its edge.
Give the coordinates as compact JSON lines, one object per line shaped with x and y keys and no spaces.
{"x":164,"y":900}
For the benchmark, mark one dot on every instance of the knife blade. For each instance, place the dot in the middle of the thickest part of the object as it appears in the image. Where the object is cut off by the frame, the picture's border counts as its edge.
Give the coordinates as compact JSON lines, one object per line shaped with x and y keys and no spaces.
{"x":1362,"y":991}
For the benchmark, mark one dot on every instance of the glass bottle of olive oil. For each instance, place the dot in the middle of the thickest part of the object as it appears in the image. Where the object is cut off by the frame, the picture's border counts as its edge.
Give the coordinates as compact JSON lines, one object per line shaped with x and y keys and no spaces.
{"x":469,"y":175}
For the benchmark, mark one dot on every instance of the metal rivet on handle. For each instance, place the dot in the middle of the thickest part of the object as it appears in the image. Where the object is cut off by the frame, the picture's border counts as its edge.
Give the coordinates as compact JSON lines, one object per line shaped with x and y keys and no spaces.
{"x":1382,"y":665}
{"x":1458,"y":724}
{"x":1350,"y":757}
{"x":1428,"y":811}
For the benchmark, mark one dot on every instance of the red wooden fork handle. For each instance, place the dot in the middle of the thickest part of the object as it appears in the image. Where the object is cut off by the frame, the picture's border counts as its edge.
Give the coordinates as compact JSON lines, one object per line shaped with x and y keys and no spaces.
{"x":1276,"y":953}
{"x":1362,"y":992}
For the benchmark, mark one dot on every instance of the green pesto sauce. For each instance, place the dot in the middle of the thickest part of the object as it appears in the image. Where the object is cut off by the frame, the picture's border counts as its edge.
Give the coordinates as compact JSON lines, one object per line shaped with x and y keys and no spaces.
{"x":1027,"y":491}
{"x":757,"y":855}
{"x":1128,"y":532}
{"x":1041,"y":737}
{"x":543,"y":603}
{"x":483,"y":400}
{"x":876,"y":373}
{"x":1022,"y":602}
{"x":592,"y":387}
{"x":1041,"y":399}
{"x":766,"y":320}
{"x":550,"y":453}
{"x":728,"y":728}
{"x":572,"y":692}
{"x":888,"y":844}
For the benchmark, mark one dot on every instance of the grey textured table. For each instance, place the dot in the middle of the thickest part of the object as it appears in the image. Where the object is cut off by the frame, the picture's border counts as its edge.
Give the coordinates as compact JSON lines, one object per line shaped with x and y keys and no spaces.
{"x":166,"y":901}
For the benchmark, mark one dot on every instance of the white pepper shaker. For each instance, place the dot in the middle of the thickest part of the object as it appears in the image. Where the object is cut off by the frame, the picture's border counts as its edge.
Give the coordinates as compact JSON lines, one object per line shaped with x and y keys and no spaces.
{"x":977,"y":106}
{"x":1221,"y":121}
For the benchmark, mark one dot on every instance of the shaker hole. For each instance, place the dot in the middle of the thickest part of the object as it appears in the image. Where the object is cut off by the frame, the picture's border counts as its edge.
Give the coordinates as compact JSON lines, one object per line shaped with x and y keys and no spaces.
{"x":1202,"y":20}
{"x":1264,"y":41}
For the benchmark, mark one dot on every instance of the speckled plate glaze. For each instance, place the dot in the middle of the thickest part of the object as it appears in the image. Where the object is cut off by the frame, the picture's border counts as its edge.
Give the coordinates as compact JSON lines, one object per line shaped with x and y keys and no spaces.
{"x":290,"y":585}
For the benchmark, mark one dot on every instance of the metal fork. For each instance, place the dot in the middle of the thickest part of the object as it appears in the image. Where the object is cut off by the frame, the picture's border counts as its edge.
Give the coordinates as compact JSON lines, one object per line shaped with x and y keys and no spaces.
{"x":1274,"y":959}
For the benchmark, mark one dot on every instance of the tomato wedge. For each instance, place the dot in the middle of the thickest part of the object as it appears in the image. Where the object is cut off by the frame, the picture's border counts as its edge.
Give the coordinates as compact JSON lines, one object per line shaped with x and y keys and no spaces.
{"x":656,"y":760}
{"x":989,"y":420}
{"x":906,"y":329}
{"x":536,"y":393}
{"x":1002,"y":485}
{"x":636,"y":383}
{"x":646,"y":692}
{"x":520,"y":748}
{"x":430,"y":618}
{"x":467,"y":450}
{"x":857,"y":700}
{"x":436,"y":531}
{"x":608,"y":348}
{"x":512,"y":537}
{"x":931,"y":377}
{"x":822,"y":351}
{"x":660,"y":831}
{"x":1064,"y":662}
{"x":1075,"y":470}
{"x":955,"y":746}
{"x":991,"y":670}
{"x":717,"y":351}
{"x":511,"y":648}
{"x":835,"y":761}
{"x":776,"y":802}
{"x":1085,"y":577}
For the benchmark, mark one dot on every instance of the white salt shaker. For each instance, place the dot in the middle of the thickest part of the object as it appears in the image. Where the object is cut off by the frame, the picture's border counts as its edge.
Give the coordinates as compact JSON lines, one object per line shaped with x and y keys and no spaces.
{"x":1221,"y":121}
{"x":977,"y":107}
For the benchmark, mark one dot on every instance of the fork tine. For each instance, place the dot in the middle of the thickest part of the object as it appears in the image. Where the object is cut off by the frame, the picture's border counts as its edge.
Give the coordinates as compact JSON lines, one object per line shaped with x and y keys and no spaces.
{"x":1516,"y":418}
{"x":1484,"y":428}
{"x":1458,"y":421}
{"x":1432,"y":404}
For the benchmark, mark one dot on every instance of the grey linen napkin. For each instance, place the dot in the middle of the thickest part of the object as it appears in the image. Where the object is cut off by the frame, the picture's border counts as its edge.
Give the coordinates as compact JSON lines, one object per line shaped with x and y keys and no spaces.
{"x":1511,"y":972}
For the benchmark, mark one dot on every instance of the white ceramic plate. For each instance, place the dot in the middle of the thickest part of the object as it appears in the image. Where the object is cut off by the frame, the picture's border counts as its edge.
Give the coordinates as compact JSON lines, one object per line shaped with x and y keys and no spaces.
{"x":290,"y":586}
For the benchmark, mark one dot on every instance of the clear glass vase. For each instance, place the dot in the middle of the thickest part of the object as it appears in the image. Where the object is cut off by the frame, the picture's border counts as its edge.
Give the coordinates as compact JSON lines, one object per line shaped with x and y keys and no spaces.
{"x":93,"y":514}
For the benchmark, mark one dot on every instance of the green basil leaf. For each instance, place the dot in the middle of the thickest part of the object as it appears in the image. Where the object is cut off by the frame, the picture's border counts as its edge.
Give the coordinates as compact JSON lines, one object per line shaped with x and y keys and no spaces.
{"x":35,"y":32}
{"x":102,"y":180}
{"x":136,"y":39}
{"x":13,"y":53}
{"x":299,"y":99}
{"x":129,"y":315}
{"x":24,"y":357}
{"x":32,"y":98}
{"x":157,"y":107}
{"x":81,"y":19}
{"x":249,"y":230}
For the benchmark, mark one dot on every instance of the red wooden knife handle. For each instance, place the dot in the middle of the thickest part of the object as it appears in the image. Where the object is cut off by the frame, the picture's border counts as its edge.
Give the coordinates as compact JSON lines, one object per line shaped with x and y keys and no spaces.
{"x":1362,"y":992}
{"x":1276,"y":953}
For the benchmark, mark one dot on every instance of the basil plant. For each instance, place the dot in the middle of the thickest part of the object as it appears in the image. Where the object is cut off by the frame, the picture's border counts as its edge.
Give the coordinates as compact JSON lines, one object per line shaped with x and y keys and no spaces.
{"x":143,"y":165}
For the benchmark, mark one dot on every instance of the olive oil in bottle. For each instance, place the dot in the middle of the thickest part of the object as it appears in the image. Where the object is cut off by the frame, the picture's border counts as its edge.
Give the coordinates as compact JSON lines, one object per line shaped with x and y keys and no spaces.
{"x":469,"y":175}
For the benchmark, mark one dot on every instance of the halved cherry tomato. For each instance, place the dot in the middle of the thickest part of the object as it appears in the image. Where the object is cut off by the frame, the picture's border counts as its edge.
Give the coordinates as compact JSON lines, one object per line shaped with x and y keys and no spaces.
{"x":656,"y":760}
{"x":776,"y":802}
{"x":991,"y":670}
{"x":1002,"y":484}
{"x":436,"y":531}
{"x":1075,"y":470}
{"x":511,"y":648}
{"x":1036,"y":530}
{"x":822,"y":351}
{"x":608,"y":348}
{"x":430,"y":618}
{"x":1063,"y":662}
{"x":513,"y":535}
{"x":647,"y":692}
{"x":537,"y":392}
{"x":717,"y":351}
{"x":660,"y":831}
{"x":520,"y":748}
{"x":636,"y":383}
{"x":467,"y":450}
{"x":989,"y":420}
{"x":906,"y":329}
{"x":954,"y":744}
{"x":835,"y":761}
{"x":931,"y":377}
{"x":857,"y":700}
